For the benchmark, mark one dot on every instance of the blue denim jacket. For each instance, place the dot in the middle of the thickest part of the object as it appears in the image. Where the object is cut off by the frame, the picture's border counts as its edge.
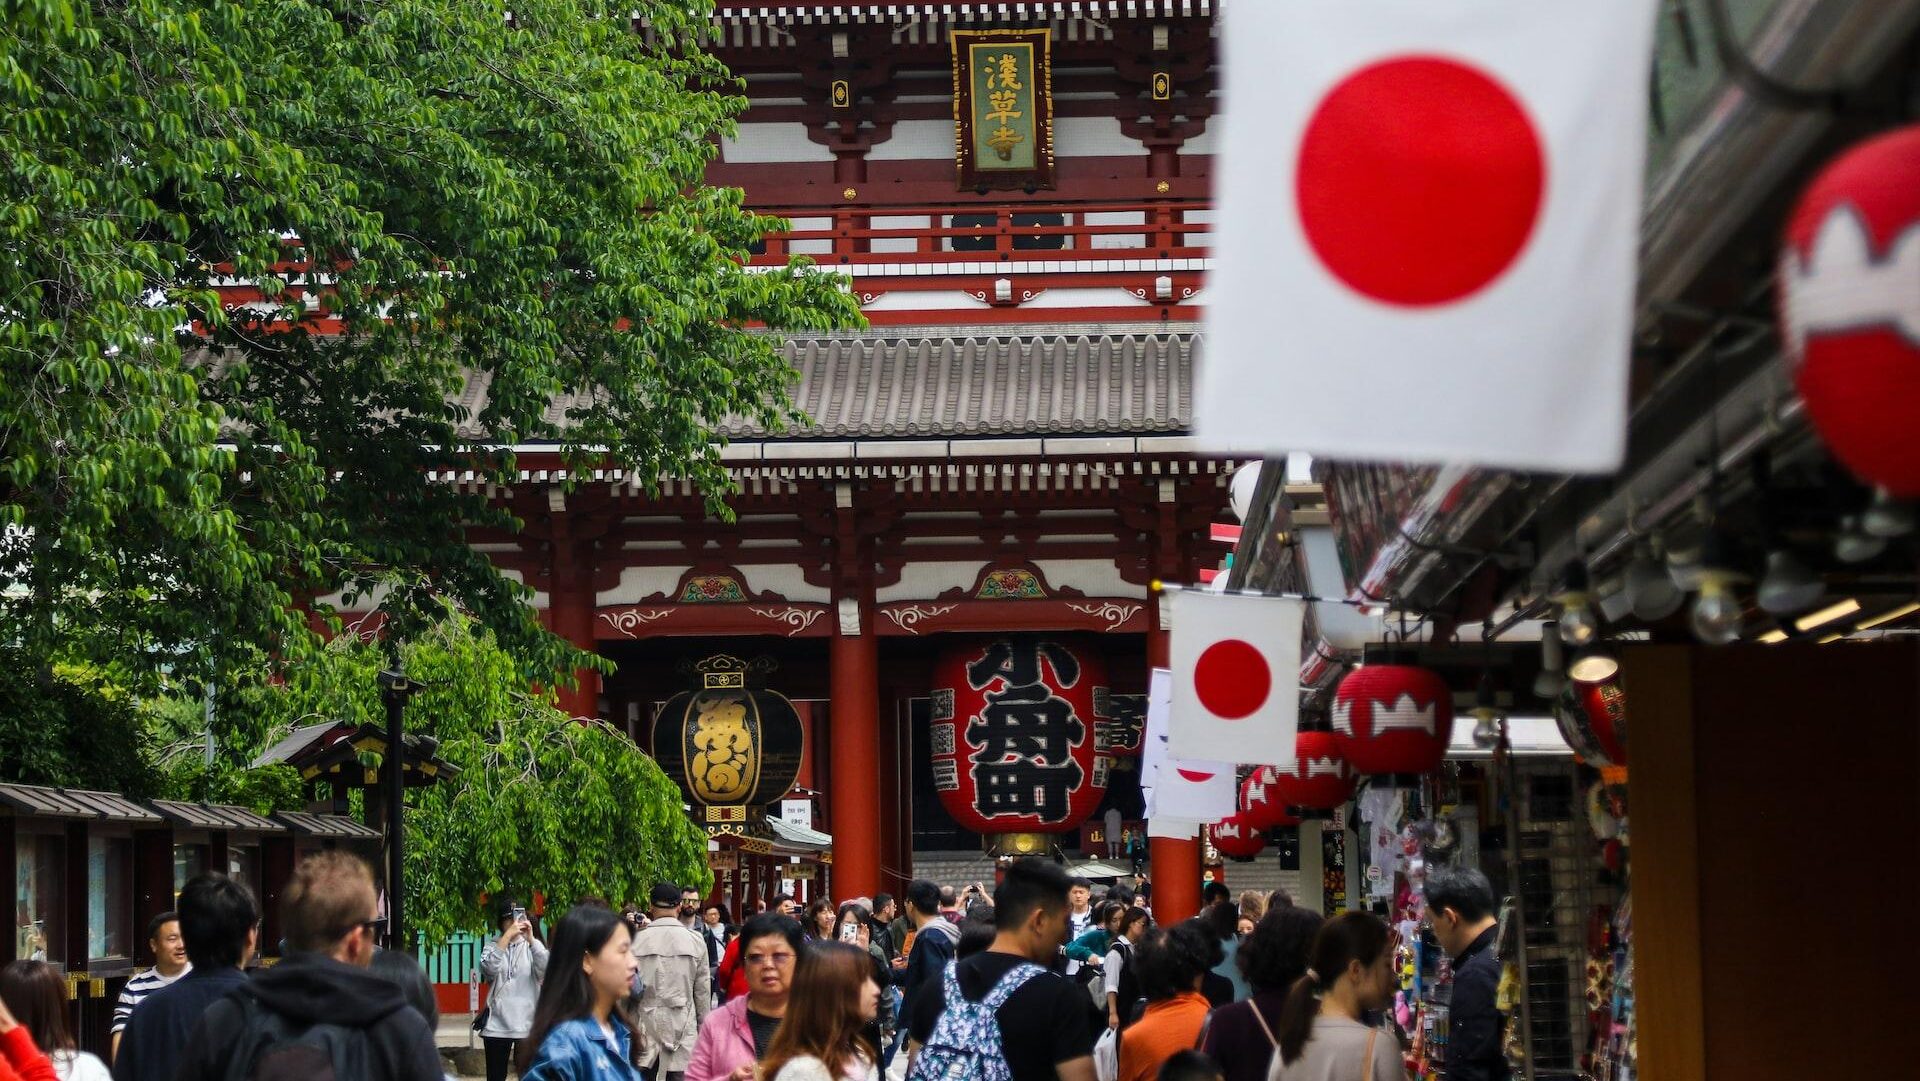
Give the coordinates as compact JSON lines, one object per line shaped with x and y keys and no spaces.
{"x":578,"y":1050}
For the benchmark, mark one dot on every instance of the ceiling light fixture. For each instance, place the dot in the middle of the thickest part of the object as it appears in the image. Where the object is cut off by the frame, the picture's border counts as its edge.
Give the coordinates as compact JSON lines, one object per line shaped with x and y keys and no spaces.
{"x":1789,"y":585}
{"x":1889,"y":617}
{"x":1827,"y":615}
{"x":1579,"y":623}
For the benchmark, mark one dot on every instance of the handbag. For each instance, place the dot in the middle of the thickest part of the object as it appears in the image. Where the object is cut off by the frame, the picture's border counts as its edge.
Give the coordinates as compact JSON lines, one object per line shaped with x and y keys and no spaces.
{"x":1106,"y":1056}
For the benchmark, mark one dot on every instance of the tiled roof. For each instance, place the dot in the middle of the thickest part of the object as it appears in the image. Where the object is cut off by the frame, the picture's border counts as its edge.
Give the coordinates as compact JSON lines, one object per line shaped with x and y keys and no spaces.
{"x":319,"y":825}
{"x":914,"y":387}
{"x":215,"y":816}
{"x":73,"y":803}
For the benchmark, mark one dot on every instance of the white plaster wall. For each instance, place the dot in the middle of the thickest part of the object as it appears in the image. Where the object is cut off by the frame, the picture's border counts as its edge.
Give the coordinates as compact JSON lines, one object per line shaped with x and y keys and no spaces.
{"x":916,"y":140}
{"x":1094,"y":577}
{"x":921,"y":581}
{"x":761,"y":143}
{"x":1093,"y":137}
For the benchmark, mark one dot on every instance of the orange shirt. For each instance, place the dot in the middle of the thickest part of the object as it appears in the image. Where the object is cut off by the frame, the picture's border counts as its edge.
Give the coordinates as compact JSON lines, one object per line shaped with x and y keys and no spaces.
{"x":1167,"y":1026}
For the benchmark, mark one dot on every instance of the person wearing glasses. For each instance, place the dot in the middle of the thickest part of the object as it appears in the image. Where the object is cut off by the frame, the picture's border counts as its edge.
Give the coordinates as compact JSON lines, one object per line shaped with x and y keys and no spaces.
{"x":735,"y":1037}
{"x":514,"y":964}
{"x":321,"y":1007}
{"x":220,"y":923}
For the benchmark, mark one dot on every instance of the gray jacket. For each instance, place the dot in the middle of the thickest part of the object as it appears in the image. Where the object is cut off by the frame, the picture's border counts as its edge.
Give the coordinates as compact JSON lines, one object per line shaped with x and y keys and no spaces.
{"x":515,"y":974}
{"x":678,"y":991}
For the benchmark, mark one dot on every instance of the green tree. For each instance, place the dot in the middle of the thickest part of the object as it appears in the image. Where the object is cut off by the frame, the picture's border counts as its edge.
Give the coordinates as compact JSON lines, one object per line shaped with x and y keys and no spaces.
{"x":542,"y":802}
{"x":470,"y":202}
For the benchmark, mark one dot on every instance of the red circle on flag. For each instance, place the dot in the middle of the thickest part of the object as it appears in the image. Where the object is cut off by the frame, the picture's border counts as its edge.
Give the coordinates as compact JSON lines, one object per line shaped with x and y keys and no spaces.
{"x":1232,"y":679}
{"x":1420,"y":180}
{"x":1194,"y":775}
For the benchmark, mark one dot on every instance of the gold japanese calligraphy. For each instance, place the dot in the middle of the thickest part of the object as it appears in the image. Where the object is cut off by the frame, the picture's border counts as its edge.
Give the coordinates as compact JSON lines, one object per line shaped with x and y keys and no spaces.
{"x":1003,"y":108}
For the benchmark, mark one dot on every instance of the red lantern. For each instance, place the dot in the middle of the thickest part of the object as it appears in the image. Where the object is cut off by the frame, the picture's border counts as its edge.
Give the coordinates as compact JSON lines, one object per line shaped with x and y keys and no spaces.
{"x":1393,"y":718}
{"x":1235,"y":839}
{"x":1013,"y":727}
{"x":1850,"y":308}
{"x":1593,"y":720}
{"x":1260,"y":804}
{"x":1318,"y":778}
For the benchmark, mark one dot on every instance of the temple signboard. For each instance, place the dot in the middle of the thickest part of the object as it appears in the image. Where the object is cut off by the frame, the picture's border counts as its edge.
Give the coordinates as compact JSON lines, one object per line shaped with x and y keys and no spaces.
{"x":1003,"y":109}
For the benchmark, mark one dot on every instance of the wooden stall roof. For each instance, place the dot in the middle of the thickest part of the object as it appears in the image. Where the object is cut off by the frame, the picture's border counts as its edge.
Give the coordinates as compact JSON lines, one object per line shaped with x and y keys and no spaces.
{"x":309,"y":824}
{"x":214,"y":816}
{"x":72,"y":803}
{"x":331,"y":750}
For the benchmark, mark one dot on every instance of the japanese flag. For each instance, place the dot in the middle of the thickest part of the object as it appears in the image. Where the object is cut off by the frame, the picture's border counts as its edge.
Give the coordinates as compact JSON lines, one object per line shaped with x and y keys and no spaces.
{"x":1236,"y":677}
{"x":1181,"y":794}
{"x":1428,"y":222}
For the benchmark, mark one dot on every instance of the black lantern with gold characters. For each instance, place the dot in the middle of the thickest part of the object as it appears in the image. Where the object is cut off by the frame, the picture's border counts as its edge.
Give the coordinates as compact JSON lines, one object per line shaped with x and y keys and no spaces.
{"x":733,"y":745}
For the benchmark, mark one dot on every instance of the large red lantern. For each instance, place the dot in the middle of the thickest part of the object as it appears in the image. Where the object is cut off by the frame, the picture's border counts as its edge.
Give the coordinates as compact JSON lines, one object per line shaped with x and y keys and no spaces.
{"x":1013,"y":725}
{"x":1393,"y":718}
{"x":1593,"y":720}
{"x":1318,"y":779}
{"x":1260,"y":805}
{"x":1236,"y":839}
{"x":1850,"y":308}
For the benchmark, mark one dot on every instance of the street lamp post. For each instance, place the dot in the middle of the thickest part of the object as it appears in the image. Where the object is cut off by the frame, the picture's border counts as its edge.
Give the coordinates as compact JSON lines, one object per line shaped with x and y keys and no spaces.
{"x":395,"y":689}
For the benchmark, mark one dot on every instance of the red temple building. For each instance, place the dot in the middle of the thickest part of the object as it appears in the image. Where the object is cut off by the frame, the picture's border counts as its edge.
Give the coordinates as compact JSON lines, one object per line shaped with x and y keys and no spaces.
{"x":1023,"y":216}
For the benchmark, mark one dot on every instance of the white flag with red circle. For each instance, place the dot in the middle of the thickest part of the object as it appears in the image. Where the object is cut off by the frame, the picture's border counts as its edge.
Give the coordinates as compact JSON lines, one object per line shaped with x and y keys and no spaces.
{"x":1180,"y":794}
{"x":1236,"y":677}
{"x":1427,"y":230}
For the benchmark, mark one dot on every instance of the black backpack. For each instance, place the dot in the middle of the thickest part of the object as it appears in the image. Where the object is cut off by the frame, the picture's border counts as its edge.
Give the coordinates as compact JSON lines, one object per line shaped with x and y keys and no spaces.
{"x":273,"y":1047}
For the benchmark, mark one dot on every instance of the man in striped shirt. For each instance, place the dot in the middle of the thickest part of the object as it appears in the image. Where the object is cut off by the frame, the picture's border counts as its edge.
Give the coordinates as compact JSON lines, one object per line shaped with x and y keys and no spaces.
{"x":170,"y":963}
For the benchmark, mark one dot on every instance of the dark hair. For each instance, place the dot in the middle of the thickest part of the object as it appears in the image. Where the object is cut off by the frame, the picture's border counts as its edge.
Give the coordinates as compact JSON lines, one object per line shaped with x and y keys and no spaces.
{"x":810,"y":921}
{"x":771,"y":924}
{"x":1135,"y":914}
{"x":1274,"y":955}
{"x":37,"y":997}
{"x":1030,"y":885}
{"x":1463,"y":889}
{"x":980,"y":912}
{"x":857,"y":912}
{"x":1187,"y":1064}
{"x":1104,"y":914}
{"x":774,"y":902}
{"x":400,"y":969}
{"x":1222,"y":919}
{"x":1214,"y":892}
{"x":154,"y":924}
{"x":975,"y":937}
{"x":567,"y":994}
{"x":823,"y":1012}
{"x":1170,"y":959}
{"x":881,"y":901}
{"x":1342,"y":940}
{"x":1079,"y":883}
{"x":216,"y":915}
{"x":923,"y":897}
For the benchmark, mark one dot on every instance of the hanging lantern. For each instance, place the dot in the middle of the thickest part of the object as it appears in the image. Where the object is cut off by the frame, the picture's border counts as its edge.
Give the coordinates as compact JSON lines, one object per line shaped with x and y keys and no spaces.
{"x":1013,"y":732}
{"x":1120,"y":724}
{"x":1393,"y":719}
{"x":1260,"y":805}
{"x":1318,"y":779}
{"x":733,"y":745}
{"x":1850,"y":308}
{"x":1593,"y":720}
{"x":1236,"y":839}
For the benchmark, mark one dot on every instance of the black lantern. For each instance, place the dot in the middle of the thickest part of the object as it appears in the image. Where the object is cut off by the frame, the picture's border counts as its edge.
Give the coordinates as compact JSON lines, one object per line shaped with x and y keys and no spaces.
{"x":733,"y":745}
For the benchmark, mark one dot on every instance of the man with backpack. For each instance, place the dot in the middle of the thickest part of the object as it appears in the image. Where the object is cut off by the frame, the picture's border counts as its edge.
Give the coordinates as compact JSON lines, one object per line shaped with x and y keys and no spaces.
{"x":321,"y":1014}
{"x":1000,"y":1015}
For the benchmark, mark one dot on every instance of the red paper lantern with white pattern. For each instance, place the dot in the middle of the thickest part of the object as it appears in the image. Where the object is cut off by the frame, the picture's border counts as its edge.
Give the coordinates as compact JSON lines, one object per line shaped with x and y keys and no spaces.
{"x":1236,"y":839}
{"x":1850,"y":308}
{"x":1592,"y":718}
{"x":1393,"y":718}
{"x":1260,"y":804}
{"x":1319,"y":778}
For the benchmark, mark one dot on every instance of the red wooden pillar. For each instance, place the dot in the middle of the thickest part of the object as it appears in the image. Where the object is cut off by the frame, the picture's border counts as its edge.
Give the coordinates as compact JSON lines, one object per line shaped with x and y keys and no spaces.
{"x":570,"y":607}
{"x":854,"y":747}
{"x":1176,"y":863}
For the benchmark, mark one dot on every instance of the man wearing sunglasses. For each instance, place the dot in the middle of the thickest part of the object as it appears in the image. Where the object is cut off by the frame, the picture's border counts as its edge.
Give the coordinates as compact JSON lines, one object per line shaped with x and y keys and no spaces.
{"x":320,"y":1013}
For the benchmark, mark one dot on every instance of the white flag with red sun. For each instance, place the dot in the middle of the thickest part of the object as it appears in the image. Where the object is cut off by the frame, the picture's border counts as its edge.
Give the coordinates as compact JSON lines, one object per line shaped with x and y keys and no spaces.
{"x":1428,"y":224}
{"x":1181,"y":794}
{"x":1236,"y":677}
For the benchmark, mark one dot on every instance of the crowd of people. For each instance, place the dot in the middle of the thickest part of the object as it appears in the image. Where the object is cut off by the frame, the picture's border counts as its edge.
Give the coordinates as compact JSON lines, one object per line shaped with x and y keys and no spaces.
{"x":1034,"y":980}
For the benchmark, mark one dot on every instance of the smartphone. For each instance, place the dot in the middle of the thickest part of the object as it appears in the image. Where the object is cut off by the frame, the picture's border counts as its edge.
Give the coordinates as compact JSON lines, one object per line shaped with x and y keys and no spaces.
{"x":849,"y":932}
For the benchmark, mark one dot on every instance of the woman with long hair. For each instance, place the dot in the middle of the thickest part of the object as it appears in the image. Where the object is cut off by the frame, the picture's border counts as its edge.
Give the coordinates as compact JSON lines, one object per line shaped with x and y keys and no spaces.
{"x":818,"y":921}
{"x":1121,"y":983}
{"x":576,"y":1034}
{"x":825,"y":1036}
{"x":1241,"y":1037}
{"x":1321,"y":1035}
{"x":36,"y":996}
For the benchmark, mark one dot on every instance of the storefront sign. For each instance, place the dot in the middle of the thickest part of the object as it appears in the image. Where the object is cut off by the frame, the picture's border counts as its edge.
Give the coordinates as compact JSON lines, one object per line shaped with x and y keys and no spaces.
{"x":797,"y":812}
{"x":726,"y":859}
{"x":1003,"y":108}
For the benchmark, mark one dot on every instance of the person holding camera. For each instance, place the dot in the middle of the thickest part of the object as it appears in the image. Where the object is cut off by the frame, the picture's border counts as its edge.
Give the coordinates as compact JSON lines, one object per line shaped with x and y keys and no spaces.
{"x":515,"y":964}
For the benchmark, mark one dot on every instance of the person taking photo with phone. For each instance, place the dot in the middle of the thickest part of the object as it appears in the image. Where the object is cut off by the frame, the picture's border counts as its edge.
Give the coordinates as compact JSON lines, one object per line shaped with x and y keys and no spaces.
{"x":513,"y":964}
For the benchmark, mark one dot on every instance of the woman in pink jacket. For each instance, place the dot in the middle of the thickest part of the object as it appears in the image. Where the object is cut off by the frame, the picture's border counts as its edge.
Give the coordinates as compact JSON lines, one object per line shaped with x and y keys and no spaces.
{"x":736,"y":1036}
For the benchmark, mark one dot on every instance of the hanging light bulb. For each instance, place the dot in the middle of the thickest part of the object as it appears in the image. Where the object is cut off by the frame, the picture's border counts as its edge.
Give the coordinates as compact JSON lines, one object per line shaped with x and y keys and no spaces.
{"x":1579,"y":623}
{"x":1486,"y":715}
{"x":1717,"y":614}
{"x":1853,"y":544}
{"x":1789,"y":586}
{"x":1887,"y":516}
{"x":1651,"y":589}
{"x":1553,"y":662}
{"x":1595,"y":664}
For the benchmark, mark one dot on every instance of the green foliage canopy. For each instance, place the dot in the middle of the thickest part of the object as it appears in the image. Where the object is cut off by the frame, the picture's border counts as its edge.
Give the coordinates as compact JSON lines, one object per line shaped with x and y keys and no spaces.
{"x":519,"y":205}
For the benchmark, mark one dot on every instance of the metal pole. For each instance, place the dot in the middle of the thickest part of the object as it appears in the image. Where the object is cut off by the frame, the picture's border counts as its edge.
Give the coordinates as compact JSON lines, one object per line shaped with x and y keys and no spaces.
{"x":395,"y":689}
{"x":1512,"y":777}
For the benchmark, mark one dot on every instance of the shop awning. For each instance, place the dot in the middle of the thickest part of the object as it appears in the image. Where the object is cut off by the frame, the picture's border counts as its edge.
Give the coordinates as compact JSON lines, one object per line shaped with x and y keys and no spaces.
{"x":214,"y":816}
{"x":309,"y":824}
{"x":800,"y":837}
{"x":1098,"y":870}
{"x":73,"y":803}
